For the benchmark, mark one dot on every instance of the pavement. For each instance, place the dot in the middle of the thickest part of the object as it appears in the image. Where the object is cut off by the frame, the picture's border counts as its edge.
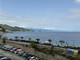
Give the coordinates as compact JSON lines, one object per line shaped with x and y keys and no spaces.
{"x":11,"y":55}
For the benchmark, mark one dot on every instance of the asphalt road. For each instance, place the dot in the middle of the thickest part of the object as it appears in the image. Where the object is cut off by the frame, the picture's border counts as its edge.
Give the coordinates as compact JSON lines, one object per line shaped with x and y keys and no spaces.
{"x":11,"y":55}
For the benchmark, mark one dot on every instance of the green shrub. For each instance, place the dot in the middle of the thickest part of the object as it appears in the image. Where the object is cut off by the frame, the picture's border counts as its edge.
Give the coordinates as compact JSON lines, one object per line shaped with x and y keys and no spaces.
{"x":69,"y":57}
{"x":78,"y":57}
{"x":4,"y":40}
{"x":64,"y":55}
{"x":26,"y":45}
{"x":33,"y":45}
{"x":79,"y":51}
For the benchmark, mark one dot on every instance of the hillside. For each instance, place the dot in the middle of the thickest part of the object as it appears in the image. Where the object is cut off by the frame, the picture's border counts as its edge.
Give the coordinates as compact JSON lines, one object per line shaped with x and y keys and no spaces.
{"x":10,"y":28}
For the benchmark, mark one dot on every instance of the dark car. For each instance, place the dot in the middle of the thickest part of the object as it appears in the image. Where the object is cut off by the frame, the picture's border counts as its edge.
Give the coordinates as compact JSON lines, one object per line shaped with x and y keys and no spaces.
{"x":1,"y":56}
{"x":28,"y":56}
{"x":1,"y":47}
{"x":41,"y":59}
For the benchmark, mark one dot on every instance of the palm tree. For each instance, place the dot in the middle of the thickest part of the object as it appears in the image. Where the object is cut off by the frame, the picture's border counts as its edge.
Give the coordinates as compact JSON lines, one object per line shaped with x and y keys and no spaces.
{"x":50,"y":41}
{"x":16,"y":37}
{"x":66,"y":44}
{"x":37,"y":39}
{"x":29,"y":39}
{"x":22,"y":37}
{"x":61,"y":41}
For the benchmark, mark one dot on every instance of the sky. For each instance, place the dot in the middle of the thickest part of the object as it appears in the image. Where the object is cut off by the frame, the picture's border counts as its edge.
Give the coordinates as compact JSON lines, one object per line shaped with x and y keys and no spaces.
{"x":41,"y":14}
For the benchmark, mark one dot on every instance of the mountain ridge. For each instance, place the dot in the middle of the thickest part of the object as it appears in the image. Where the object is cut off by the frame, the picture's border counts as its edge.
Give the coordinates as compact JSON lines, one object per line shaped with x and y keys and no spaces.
{"x":15,"y":28}
{"x":45,"y":30}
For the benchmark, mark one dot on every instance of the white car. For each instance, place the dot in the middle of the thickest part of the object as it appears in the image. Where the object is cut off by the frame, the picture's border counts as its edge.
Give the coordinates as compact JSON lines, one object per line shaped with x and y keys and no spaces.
{"x":18,"y":50}
{"x":5,"y":58}
{"x":12,"y":49}
{"x":20,"y":53}
{"x":32,"y":58}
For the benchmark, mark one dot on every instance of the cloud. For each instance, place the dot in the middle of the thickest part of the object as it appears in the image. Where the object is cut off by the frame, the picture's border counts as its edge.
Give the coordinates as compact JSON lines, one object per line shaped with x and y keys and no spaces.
{"x":77,"y":1}
{"x":49,"y":28}
{"x":74,"y":13}
{"x":77,"y":11}
{"x":24,"y":21}
{"x":59,"y":23}
{"x":7,"y":21}
{"x":23,"y":26}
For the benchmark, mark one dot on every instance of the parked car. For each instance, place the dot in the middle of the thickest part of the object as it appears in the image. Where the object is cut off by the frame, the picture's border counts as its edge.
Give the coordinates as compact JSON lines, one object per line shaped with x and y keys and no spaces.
{"x":4,"y":48}
{"x":18,"y":50}
{"x":7,"y":47}
{"x":20,"y":53}
{"x":5,"y":58}
{"x":32,"y":58}
{"x":23,"y":54}
{"x":1,"y":47}
{"x":12,"y":49}
{"x":28,"y":56}
{"x":39,"y":59}
{"x":1,"y":56}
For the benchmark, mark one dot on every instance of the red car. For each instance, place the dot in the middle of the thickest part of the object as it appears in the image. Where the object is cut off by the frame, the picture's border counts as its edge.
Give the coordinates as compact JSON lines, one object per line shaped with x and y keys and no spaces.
{"x":15,"y":49}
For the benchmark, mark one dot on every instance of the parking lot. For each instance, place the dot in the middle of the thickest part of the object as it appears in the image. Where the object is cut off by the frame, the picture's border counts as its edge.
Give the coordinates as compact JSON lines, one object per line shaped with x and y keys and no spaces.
{"x":11,"y":55}
{"x":7,"y":52}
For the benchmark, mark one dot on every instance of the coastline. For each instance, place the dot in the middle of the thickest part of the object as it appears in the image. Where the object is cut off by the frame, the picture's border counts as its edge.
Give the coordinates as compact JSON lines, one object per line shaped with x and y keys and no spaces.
{"x":44,"y":36}
{"x":31,"y":50}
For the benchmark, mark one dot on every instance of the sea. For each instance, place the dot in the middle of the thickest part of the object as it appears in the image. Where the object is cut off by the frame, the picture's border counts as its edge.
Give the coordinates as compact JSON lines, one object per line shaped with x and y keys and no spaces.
{"x":72,"y":38}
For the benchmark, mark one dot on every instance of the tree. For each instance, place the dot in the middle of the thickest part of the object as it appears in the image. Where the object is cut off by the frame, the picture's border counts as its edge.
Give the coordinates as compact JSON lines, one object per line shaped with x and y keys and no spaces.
{"x":34,"y":46}
{"x":22,"y":38}
{"x":67,"y":44}
{"x":4,"y":40}
{"x":50,"y":41}
{"x":37,"y":39}
{"x":61,"y":41}
{"x":29,"y":39}
{"x":16,"y":37}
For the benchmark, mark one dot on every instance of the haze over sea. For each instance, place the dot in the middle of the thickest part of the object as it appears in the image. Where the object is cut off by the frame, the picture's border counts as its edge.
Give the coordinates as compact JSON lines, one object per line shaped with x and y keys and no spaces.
{"x":70,"y":37}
